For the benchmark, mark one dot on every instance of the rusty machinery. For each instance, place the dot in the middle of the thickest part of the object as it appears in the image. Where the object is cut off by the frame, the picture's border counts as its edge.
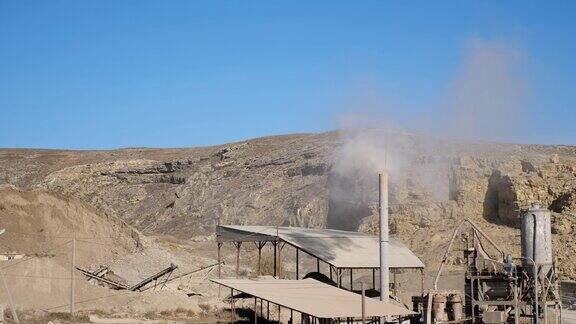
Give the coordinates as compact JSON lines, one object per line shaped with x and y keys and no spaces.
{"x":499,"y":289}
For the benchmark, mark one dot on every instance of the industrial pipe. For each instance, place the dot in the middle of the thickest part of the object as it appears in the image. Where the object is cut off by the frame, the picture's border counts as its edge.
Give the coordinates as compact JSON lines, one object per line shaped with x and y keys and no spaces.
{"x":535,"y":270}
{"x":383,"y":210}
{"x":449,"y":248}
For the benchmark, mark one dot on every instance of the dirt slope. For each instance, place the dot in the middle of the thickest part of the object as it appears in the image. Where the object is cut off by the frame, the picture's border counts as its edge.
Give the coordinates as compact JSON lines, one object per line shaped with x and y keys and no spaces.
{"x":296,"y":180}
{"x":36,"y":220}
{"x":41,"y":225}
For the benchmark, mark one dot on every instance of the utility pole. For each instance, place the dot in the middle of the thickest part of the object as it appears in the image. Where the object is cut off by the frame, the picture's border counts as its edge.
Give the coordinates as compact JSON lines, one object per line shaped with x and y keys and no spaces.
{"x":8,"y":294}
{"x":72,"y":266}
{"x":219,"y":261}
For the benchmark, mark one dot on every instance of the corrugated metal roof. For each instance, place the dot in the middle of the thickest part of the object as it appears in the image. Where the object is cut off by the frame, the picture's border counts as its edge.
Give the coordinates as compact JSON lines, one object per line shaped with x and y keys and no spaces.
{"x":314,"y":298}
{"x":341,"y":249}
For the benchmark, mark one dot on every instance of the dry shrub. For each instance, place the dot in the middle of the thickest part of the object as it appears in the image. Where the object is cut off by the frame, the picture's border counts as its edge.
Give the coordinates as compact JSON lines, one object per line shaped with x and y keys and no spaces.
{"x":150,"y":314}
{"x":266,"y":266}
{"x":179,"y":312}
{"x":100,"y":312}
{"x":205,"y":307}
{"x":30,"y":316}
{"x":64,"y":316}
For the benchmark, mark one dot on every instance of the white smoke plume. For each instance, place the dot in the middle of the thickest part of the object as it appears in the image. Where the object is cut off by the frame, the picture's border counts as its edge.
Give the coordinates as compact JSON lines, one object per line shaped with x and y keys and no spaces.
{"x":484,"y":102}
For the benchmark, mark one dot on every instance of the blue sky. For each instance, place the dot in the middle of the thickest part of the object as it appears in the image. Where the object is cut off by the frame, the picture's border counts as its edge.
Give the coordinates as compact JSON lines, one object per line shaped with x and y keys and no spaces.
{"x":108,"y":74}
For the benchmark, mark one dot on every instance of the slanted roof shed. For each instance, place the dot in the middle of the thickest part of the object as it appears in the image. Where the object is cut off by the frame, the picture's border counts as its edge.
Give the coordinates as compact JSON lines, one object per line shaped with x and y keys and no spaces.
{"x":314,"y":298}
{"x":341,"y":249}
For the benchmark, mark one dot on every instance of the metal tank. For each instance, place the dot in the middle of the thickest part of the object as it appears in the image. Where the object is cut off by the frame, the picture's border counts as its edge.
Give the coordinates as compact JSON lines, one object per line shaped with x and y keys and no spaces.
{"x":536,"y":235}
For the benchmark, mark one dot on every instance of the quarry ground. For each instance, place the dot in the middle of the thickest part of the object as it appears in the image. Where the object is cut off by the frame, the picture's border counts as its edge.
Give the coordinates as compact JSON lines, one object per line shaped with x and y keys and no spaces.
{"x":138,"y":210}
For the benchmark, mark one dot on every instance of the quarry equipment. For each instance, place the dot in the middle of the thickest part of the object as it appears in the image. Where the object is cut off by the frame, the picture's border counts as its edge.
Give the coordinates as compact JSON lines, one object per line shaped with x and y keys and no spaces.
{"x":500,"y":288}
{"x":165,"y":272}
{"x":536,"y":238}
{"x":100,"y":274}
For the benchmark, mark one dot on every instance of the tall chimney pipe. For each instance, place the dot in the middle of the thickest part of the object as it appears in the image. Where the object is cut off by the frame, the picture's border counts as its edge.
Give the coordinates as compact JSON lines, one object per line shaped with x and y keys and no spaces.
{"x":383,"y":209}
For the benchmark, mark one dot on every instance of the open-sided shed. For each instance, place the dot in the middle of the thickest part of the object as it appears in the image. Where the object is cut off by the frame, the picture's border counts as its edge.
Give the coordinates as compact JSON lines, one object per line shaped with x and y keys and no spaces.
{"x":341,"y":250}
{"x":314,"y":300}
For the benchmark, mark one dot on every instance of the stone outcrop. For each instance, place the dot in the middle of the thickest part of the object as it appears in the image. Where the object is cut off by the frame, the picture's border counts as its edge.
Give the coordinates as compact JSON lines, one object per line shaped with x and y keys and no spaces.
{"x":292,"y":180}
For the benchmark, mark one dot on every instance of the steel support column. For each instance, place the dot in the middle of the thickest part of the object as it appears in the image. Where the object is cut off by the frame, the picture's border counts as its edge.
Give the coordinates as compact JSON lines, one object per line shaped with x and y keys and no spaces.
{"x":351,"y":281}
{"x":233,"y":313}
{"x":421,"y":280}
{"x":363,"y":303}
{"x":395,"y":285}
{"x":297,"y":263}
{"x":280,"y":247}
{"x":219,"y":268}
{"x":255,"y":310}
{"x":259,"y":246}
{"x":238,"y":245}
{"x":274,"y":243}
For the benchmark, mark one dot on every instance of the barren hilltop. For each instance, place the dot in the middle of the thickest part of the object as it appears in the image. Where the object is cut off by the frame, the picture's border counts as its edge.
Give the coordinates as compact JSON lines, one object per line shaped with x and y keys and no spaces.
{"x":171,"y":199}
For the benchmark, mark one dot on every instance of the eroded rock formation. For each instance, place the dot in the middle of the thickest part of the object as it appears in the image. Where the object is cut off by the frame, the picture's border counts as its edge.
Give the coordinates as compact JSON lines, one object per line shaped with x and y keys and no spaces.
{"x":291,"y":180}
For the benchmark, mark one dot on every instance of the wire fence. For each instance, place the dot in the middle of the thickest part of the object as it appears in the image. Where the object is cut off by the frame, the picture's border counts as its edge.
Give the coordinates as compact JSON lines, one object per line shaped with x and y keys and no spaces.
{"x":22,"y":277}
{"x":63,"y":253}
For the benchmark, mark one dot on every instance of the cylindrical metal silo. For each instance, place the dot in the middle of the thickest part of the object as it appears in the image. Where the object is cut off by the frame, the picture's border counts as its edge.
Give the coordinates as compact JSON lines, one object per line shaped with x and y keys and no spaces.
{"x":536,"y":234}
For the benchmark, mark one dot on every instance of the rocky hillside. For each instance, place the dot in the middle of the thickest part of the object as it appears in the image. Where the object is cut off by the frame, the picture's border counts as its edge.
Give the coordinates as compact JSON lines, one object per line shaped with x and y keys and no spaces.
{"x":299,"y":180}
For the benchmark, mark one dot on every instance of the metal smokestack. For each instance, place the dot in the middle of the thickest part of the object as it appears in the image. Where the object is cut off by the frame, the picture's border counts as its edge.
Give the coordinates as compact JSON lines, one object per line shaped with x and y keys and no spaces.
{"x":383,"y":209}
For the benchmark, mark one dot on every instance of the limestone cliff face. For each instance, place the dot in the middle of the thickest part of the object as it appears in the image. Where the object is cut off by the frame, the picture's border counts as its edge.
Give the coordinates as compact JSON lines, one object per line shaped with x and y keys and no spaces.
{"x":277,"y":180}
{"x":291,"y":180}
{"x":551,"y":183}
{"x":497,"y":191}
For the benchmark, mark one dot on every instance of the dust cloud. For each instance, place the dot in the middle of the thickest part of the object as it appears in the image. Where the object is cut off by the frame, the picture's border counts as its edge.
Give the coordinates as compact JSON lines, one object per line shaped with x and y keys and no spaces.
{"x":488,"y":95}
{"x":483,"y":102}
